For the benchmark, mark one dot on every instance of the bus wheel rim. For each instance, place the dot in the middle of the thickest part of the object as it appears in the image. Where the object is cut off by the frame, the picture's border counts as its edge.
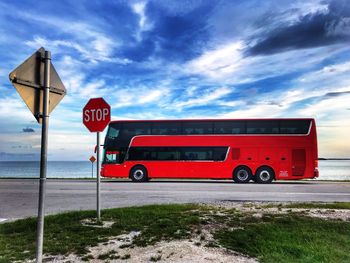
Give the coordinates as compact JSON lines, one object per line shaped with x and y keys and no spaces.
{"x":242,"y":175}
{"x":265,"y":175}
{"x":138,"y":174}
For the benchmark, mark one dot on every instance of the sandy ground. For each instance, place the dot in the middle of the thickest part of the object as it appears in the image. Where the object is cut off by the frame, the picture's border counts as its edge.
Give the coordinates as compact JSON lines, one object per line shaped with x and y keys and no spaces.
{"x":120,"y":248}
{"x":174,"y":251}
{"x":258,"y":209}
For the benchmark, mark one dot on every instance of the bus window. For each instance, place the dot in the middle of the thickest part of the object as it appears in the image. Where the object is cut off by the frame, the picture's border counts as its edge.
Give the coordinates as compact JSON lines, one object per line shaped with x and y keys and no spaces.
{"x":166,"y":128}
{"x":203,"y":153}
{"x":131,"y":129}
{"x":113,"y":131}
{"x":219,"y":153}
{"x":262,"y":127}
{"x":196,"y":153}
{"x":111,"y":157}
{"x":229,"y":127}
{"x":197,"y":127}
{"x":294,"y":126}
{"x":167,"y":153}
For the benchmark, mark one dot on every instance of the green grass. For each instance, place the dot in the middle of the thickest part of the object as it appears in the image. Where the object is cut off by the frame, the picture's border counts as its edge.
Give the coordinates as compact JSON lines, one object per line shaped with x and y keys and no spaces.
{"x":272,"y":238}
{"x":64,"y":233}
{"x":289,"y":238}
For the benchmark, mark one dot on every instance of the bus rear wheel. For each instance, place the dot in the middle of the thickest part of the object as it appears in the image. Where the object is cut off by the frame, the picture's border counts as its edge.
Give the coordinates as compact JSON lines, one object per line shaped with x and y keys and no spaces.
{"x":139,"y":174}
{"x":242,"y":174}
{"x":264,"y":175}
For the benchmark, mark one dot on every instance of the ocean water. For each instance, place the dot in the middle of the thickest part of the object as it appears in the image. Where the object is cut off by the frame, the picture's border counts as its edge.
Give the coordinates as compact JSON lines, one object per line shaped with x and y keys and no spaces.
{"x":329,"y":169}
{"x":56,"y":169}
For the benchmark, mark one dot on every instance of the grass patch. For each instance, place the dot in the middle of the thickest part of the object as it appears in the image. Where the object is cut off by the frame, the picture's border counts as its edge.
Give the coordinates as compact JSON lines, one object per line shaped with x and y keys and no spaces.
{"x":155,"y":258}
{"x":65,"y":234}
{"x":272,"y":238}
{"x":290,"y":238}
{"x":109,"y":255}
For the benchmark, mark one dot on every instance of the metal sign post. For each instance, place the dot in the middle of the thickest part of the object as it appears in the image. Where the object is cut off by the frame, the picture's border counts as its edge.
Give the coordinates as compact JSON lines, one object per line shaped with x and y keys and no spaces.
{"x":96,"y":116}
{"x":43,"y":158}
{"x":92,"y":170}
{"x":98,"y":178}
{"x":92,"y":160}
{"x":40,"y":87}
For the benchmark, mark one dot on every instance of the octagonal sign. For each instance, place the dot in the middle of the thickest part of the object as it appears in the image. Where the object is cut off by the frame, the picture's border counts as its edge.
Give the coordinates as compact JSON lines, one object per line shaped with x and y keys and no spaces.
{"x":96,"y":114}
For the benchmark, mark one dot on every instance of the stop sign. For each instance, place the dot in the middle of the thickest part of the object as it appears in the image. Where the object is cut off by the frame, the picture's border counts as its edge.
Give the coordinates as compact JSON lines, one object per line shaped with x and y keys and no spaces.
{"x":96,"y":114}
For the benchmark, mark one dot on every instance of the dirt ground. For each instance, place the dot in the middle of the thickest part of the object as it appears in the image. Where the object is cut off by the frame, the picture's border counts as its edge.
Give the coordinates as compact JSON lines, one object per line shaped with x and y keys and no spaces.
{"x":258,"y":209}
{"x":174,"y":251}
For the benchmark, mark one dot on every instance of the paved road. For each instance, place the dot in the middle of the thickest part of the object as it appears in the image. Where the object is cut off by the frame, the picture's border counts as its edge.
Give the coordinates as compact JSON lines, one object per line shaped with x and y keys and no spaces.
{"x":18,"y":198}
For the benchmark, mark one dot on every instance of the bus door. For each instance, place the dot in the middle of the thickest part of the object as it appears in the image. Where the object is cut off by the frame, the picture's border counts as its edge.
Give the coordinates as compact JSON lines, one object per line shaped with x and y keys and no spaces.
{"x":298,"y":162}
{"x":284,"y":163}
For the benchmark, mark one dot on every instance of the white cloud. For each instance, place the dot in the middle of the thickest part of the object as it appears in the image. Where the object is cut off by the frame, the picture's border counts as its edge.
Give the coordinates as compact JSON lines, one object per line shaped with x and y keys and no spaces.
{"x":14,"y":110}
{"x":89,"y":41}
{"x":333,"y":124}
{"x":254,"y":111}
{"x":228,"y":63}
{"x":152,"y":96}
{"x":95,"y":88}
{"x":94,"y":49}
{"x":72,"y":74}
{"x":327,"y":77}
{"x":19,"y":142}
{"x":144,"y":23}
{"x":208,"y":97}
{"x":327,"y":107}
{"x":69,"y":146}
{"x":139,"y":96}
{"x":218,"y":63}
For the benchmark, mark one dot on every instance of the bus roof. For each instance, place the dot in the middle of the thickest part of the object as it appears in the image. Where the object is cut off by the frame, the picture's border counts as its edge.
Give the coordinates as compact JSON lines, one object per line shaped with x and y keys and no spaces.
{"x":188,"y":120}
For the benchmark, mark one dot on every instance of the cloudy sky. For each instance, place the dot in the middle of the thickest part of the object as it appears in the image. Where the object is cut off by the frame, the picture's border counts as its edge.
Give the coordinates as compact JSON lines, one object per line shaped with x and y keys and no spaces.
{"x":178,"y":59}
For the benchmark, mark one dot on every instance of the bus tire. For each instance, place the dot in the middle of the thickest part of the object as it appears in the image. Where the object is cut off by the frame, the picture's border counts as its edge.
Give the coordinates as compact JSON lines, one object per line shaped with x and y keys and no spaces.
{"x":139,"y":174}
{"x":264,"y":175}
{"x":242,"y":174}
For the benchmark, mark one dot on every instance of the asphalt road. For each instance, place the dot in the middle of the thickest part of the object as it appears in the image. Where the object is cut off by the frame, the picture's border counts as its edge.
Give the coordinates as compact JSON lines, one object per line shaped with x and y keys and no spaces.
{"x":18,"y":198}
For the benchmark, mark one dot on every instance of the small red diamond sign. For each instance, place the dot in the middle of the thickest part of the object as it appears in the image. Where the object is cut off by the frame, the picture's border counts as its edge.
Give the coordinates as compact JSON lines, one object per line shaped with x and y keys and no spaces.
{"x":92,"y":159}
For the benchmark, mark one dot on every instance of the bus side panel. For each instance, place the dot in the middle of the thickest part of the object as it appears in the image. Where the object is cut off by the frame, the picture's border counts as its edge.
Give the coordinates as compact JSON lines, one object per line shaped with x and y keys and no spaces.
{"x":114,"y":170}
{"x":161,"y":169}
{"x":205,"y":169}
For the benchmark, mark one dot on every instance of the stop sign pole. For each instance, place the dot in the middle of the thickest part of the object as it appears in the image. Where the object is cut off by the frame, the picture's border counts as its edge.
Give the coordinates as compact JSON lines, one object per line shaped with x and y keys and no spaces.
{"x":96,"y":116}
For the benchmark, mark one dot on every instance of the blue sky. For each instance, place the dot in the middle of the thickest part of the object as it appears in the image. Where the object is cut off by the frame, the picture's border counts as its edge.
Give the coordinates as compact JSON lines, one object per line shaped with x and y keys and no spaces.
{"x":178,"y":59}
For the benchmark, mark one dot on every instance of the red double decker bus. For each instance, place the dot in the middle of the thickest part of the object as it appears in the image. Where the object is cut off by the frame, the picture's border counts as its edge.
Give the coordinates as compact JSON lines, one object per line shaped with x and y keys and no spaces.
{"x":261,"y":150}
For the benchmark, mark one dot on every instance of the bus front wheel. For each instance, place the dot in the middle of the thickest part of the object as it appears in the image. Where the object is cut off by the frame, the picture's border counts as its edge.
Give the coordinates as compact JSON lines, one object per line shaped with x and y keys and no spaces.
{"x":139,"y":174}
{"x":242,"y":174}
{"x":264,"y":175}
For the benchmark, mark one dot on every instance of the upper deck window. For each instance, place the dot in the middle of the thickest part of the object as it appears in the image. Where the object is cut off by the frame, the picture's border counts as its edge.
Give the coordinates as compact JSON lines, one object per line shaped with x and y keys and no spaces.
{"x":113,"y":131}
{"x":294,"y":126}
{"x":262,"y":127}
{"x":131,"y":129}
{"x":197,"y":127}
{"x":229,"y":127}
{"x":166,"y":128}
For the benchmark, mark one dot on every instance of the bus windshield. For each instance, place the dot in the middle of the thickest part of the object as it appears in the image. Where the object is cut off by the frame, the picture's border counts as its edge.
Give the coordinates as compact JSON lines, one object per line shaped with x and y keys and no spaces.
{"x":113,"y":132}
